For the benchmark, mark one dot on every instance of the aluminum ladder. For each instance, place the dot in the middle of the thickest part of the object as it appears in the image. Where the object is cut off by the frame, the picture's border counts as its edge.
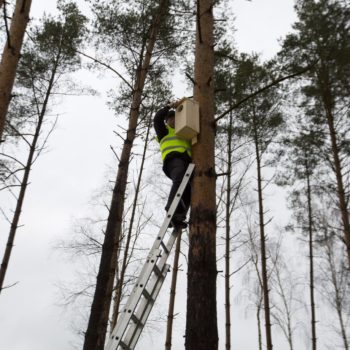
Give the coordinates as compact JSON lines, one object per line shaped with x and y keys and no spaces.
{"x":135,"y":313}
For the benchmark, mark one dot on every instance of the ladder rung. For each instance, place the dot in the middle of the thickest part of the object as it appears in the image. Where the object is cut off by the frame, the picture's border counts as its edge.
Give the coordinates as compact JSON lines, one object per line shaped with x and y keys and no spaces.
{"x":147,"y":295}
{"x":125,"y":335}
{"x":157,"y":271}
{"x":136,"y":320}
{"x":124,"y":346}
{"x":164,"y":247}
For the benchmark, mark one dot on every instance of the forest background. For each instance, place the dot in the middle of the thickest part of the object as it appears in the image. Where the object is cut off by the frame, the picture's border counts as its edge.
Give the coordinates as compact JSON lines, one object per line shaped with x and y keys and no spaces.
{"x":71,"y":182}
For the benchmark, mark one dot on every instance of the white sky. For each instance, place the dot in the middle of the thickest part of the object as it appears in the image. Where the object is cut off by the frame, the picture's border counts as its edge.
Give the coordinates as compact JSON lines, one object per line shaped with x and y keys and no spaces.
{"x":62,"y":183}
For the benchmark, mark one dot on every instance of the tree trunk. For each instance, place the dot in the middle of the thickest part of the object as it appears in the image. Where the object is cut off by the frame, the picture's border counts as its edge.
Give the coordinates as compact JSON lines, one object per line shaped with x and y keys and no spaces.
{"x":259,"y":325}
{"x":119,"y":286}
{"x":327,"y":100}
{"x":255,"y":260}
{"x":97,"y":326}
{"x":11,"y":55}
{"x":201,"y":317}
{"x":310,"y":227}
{"x":24,"y":183}
{"x":262,"y":241}
{"x":169,"y":327}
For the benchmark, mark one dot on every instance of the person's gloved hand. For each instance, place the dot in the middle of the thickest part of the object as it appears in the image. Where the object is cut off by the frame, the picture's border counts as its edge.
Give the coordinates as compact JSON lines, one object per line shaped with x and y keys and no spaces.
{"x":175,"y":104}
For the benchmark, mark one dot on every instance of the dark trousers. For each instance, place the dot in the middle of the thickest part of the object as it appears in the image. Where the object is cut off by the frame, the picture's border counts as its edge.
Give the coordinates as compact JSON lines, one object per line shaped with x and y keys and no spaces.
{"x":175,"y":169}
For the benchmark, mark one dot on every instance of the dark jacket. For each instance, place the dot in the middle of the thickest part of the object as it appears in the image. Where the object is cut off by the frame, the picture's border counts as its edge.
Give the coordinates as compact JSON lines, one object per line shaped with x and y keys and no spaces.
{"x":161,"y":131}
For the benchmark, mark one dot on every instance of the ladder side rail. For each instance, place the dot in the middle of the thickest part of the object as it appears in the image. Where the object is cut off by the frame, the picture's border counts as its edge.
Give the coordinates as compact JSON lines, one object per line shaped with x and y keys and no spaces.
{"x":169,"y":245}
{"x":134,"y":331}
{"x":153,"y":287}
{"x":118,"y":332}
{"x":133,"y":299}
{"x":159,"y":238}
{"x":136,"y":293}
{"x":173,"y":205}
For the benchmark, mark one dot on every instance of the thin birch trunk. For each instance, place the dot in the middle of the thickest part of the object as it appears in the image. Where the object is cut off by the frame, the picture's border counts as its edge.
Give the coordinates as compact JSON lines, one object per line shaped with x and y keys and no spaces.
{"x":201,"y":316}
{"x":311,"y":256}
{"x":340,"y":313}
{"x":255,"y":260}
{"x":264,"y":274}
{"x":258,"y":318}
{"x":98,"y":321}
{"x":24,"y":183}
{"x":286,"y":329}
{"x":11,"y":55}
{"x":169,"y":328}
{"x":120,"y":283}
{"x":343,"y":328}
{"x":228,"y":239}
{"x":337,"y":294}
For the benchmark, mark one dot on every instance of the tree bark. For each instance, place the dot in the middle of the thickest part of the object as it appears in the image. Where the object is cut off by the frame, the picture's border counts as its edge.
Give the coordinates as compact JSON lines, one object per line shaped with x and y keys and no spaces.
{"x":262,"y":241}
{"x":11,"y":55}
{"x":201,"y":317}
{"x":24,"y":183}
{"x":171,"y":308}
{"x":97,"y":325}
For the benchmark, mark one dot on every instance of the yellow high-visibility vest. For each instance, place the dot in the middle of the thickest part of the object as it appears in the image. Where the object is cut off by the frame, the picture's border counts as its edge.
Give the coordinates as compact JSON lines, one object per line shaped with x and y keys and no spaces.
{"x":173,"y":143}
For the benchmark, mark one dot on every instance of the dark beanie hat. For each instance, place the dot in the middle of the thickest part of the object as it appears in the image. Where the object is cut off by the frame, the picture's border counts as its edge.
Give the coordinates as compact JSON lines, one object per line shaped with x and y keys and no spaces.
{"x":170,"y":114}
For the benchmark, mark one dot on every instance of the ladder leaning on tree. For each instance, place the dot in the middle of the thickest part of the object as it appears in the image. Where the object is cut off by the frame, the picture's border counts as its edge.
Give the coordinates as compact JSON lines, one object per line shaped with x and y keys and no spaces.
{"x":135,"y":313}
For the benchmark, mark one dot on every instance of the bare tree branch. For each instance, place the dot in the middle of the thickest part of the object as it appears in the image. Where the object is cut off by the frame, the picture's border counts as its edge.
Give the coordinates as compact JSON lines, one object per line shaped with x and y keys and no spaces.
{"x":266,"y":87}
{"x":107,"y":66}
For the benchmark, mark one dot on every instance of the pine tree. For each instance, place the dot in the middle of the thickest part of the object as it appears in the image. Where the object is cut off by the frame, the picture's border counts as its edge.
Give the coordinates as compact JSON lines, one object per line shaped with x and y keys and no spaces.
{"x":261,"y":121}
{"x":201,"y":317}
{"x":302,"y":168}
{"x":116,"y":23}
{"x":156,"y":92}
{"x":47,"y":57}
{"x":321,"y":35}
{"x":227,"y":143}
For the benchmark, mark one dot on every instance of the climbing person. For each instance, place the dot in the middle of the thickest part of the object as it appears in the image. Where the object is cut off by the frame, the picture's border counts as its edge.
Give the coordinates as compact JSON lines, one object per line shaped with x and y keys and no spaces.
{"x":176,"y":156}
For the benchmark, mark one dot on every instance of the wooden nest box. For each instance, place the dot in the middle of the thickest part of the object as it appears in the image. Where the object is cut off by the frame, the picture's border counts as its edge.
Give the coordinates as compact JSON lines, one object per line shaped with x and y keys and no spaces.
{"x":187,"y":120}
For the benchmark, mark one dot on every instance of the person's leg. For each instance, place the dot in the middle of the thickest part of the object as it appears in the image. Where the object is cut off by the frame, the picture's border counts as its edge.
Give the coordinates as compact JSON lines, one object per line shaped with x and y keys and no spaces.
{"x":187,"y":192}
{"x":176,"y":169}
{"x":186,"y":197}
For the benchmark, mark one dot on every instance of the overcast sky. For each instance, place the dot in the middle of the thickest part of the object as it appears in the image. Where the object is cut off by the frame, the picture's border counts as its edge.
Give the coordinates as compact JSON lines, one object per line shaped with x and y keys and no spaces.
{"x":63,"y":182}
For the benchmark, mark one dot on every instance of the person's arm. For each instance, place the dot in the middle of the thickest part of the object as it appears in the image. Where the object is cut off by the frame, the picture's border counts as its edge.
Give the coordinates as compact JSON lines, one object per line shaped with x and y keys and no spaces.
{"x":158,"y":122}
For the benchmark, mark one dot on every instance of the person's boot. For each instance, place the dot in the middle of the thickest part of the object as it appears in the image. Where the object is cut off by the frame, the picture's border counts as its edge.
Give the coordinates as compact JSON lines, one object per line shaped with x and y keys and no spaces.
{"x":178,"y":221}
